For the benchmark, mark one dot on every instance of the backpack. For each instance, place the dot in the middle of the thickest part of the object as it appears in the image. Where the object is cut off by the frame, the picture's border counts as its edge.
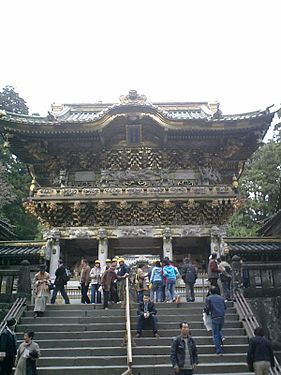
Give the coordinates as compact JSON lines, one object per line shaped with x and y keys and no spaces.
{"x":190,"y":274}
{"x":213,"y":266}
{"x":66,"y":276}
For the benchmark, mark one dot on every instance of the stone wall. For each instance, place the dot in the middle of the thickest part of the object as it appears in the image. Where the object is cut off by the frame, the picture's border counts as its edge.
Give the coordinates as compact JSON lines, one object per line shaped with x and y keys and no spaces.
{"x":268,"y":312}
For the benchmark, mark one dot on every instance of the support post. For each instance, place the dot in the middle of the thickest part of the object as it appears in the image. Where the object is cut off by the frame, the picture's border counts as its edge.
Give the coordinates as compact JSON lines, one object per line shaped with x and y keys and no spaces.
{"x":167,"y":244}
{"x":55,"y":255}
{"x":102,"y":247}
{"x":24,"y":283}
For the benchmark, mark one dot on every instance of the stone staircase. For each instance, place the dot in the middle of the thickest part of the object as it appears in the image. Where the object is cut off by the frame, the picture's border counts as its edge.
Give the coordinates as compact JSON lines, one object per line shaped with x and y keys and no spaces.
{"x":85,"y":339}
{"x":78,"y":339}
{"x":151,"y":356}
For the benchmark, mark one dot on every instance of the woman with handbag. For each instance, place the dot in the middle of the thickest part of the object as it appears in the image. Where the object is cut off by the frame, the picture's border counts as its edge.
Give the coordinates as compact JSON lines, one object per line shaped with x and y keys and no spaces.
{"x":27,"y":354}
{"x":41,"y":290}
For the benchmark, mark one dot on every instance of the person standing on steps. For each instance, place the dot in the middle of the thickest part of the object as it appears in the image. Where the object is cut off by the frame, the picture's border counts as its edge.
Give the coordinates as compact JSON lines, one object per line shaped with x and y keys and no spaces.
{"x":95,"y":275}
{"x":225,"y":277}
{"x":146,"y":312}
{"x":156,"y":278}
{"x":108,"y":284}
{"x":184,"y":356}
{"x":41,"y":291}
{"x":170,"y":274}
{"x":60,"y":282}
{"x":85,"y":281}
{"x":27,"y":355}
{"x":8,"y":347}
{"x":123,"y":271}
{"x":213,"y":271}
{"x":260,"y":355}
{"x":216,"y":306}
{"x":189,"y":276}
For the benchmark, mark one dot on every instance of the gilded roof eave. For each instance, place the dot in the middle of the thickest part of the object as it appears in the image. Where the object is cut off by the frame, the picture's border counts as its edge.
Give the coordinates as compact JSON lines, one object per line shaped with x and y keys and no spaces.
{"x":65,"y":123}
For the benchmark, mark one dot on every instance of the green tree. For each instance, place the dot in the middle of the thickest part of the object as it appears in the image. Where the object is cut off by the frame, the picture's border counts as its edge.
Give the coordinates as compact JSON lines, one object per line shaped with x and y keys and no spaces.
{"x":10,"y":101}
{"x":15,"y":176}
{"x":260,"y":187}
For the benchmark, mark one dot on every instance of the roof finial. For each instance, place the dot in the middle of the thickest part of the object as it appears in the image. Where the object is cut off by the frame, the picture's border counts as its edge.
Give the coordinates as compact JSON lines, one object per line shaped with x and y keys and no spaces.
{"x":132,"y":98}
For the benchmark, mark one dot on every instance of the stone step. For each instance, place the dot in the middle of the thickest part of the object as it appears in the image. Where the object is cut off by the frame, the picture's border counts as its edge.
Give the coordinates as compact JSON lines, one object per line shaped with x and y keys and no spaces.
{"x":139,"y":350}
{"x":115,"y":319}
{"x":109,"y":359}
{"x":106,"y":360}
{"x":116,"y":312}
{"x":143,"y":341}
{"x":114,"y":370}
{"x":81,"y":370}
{"x":78,"y":313}
{"x":37,"y":325}
{"x":134,"y":306}
{"x":99,"y":342}
{"x":228,"y":332}
{"x":202,"y":349}
{"x":208,"y":368}
{"x":199,"y":340}
{"x":75,"y":335}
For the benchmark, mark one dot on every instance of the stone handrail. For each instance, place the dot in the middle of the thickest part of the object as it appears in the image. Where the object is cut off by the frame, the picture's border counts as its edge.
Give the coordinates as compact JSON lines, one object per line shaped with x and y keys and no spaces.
{"x":128,"y":330}
{"x":250,"y":322}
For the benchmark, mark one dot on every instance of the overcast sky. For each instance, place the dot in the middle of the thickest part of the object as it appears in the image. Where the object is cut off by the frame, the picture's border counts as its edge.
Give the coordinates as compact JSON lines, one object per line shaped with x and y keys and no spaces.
{"x":179,"y":50}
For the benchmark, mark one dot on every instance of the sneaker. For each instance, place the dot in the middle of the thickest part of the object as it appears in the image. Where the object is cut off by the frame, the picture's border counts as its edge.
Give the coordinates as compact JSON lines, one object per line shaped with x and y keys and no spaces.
{"x":138,"y":335}
{"x":156,"y":335}
{"x":106,"y":308}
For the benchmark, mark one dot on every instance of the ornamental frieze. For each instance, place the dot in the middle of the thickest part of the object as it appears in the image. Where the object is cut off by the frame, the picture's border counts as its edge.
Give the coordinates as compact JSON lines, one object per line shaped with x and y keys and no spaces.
{"x":137,"y":213}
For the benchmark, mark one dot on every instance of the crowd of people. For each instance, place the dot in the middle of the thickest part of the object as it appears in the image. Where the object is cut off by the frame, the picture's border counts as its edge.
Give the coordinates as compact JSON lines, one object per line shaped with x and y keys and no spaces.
{"x":152,"y":284}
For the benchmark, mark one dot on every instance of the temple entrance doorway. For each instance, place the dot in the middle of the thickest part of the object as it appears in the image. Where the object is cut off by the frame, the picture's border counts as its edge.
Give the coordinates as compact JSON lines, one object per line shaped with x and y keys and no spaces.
{"x":72,"y":251}
{"x":134,"y":249}
{"x":197,"y":249}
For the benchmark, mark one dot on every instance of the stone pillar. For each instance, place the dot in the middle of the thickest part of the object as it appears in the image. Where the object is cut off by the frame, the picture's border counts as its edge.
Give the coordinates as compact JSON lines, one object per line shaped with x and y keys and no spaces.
{"x":24,"y":285}
{"x":103,"y":246}
{"x":237,"y":281}
{"x":167,"y":244}
{"x":215,"y":244}
{"x":55,"y":255}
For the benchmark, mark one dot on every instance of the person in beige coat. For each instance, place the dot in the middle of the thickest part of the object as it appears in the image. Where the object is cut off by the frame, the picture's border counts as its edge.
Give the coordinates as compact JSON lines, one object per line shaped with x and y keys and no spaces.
{"x":27,"y":355}
{"x":41,"y":291}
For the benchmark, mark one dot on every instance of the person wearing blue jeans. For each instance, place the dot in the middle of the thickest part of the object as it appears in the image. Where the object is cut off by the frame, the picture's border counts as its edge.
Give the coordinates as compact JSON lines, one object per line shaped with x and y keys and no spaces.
{"x":216,"y":306}
{"x":170,"y":273}
{"x":156,"y":279}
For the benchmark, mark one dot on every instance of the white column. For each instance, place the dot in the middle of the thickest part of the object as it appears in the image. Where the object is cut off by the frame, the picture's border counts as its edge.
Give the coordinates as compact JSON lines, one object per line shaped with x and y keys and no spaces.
{"x":167,"y":244}
{"x":55,"y":255}
{"x":103,"y":247}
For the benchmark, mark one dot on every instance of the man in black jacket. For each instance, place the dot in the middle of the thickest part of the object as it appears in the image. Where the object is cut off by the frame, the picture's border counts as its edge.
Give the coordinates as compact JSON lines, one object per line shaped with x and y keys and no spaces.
{"x":189,"y":276}
{"x":8,"y":348}
{"x":60,"y":281}
{"x":146,"y":312}
{"x":260,"y":354}
{"x":184,"y":352}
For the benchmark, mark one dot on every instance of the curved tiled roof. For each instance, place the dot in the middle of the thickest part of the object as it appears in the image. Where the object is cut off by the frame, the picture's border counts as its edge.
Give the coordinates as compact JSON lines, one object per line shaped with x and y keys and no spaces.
{"x":85,"y":114}
{"x":20,"y":250}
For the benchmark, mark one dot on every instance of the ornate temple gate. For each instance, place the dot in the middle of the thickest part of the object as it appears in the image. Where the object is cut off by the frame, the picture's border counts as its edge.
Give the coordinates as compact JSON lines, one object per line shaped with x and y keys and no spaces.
{"x":134,"y":177}
{"x":175,"y":242}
